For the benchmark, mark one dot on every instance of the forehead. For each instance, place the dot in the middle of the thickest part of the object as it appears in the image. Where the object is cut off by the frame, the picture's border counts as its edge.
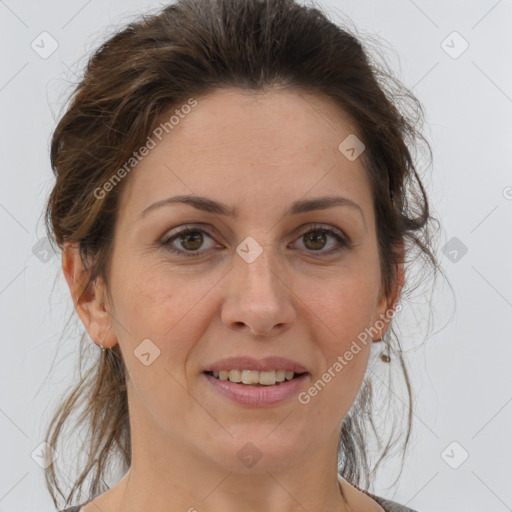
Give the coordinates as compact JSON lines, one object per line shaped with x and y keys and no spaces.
{"x":241,"y":146}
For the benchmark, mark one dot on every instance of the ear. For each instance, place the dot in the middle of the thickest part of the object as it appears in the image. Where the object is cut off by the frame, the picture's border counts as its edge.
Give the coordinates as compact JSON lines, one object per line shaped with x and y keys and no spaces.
{"x":90,"y":303}
{"x":387,"y":304}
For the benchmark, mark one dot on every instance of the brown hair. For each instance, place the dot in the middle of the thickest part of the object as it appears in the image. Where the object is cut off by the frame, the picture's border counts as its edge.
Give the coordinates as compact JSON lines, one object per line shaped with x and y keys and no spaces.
{"x":188,"y":49}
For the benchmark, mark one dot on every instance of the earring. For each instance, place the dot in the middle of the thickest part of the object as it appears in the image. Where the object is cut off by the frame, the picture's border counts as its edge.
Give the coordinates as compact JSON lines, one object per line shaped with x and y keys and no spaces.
{"x":100,"y":344}
{"x":385,"y":355}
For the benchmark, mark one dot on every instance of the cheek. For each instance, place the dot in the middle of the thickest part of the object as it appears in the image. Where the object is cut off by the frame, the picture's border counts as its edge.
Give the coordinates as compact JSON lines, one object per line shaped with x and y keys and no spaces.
{"x":169,"y":308}
{"x":344,"y":314}
{"x":152,"y":305}
{"x":345,"y":307}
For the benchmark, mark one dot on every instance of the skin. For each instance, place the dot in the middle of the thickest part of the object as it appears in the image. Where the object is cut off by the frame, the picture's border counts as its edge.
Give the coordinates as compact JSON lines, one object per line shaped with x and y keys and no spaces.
{"x":258,"y":152}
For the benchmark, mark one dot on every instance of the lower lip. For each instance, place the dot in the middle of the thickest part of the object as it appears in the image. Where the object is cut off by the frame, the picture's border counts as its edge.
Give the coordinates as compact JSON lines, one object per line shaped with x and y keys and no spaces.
{"x":258,"y":396}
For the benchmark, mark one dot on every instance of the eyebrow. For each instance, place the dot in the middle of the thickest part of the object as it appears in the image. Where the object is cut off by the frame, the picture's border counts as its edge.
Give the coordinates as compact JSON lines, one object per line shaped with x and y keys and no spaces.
{"x":211,"y":206}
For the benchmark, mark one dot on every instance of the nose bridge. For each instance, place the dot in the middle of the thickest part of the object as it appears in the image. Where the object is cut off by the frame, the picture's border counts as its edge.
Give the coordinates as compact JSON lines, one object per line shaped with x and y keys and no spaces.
{"x":257,"y":295}
{"x":256,"y":269}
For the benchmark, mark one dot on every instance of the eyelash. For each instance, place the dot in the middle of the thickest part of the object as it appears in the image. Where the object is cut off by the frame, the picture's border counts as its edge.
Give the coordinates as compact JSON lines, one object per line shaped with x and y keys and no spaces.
{"x":344,"y":244}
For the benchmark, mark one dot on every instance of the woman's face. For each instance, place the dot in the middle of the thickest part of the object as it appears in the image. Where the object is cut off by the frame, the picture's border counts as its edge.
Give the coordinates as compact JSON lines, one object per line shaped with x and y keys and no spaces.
{"x":262,"y":283}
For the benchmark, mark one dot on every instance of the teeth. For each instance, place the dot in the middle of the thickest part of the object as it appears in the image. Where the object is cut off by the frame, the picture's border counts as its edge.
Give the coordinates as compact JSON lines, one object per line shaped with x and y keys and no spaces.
{"x":235,"y":375}
{"x":281,"y":375}
{"x":250,"y":377}
{"x":254,"y":377}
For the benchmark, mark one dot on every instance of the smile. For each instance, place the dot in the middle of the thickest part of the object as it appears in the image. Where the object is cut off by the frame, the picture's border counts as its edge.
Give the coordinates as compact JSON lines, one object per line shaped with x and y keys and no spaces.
{"x":253,"y":377}
{"x":253,"y":393}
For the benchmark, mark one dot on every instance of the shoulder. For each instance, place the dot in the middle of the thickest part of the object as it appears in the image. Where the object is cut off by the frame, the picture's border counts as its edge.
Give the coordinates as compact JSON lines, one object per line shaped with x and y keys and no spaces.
{"x":391,"y":506}
{"x":361,"y":499}
{"x":388,"y":505}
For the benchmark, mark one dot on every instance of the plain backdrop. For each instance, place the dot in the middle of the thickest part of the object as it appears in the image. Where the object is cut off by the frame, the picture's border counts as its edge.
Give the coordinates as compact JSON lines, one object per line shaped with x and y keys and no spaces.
{"x":455,"y":56}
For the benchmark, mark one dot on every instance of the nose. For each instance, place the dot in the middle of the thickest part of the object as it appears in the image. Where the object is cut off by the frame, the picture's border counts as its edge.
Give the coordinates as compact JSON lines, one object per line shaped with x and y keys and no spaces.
{"x":259,"y":300}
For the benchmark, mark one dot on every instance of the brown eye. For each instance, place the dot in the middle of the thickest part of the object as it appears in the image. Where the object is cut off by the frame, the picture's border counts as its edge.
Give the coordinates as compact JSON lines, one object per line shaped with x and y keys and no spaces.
{"x":190,"y":239}
{"x":317,"y":238}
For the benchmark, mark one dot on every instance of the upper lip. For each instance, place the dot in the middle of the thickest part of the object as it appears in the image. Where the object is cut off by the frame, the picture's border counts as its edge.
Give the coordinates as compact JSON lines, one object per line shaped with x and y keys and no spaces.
{"x":251,"y":363}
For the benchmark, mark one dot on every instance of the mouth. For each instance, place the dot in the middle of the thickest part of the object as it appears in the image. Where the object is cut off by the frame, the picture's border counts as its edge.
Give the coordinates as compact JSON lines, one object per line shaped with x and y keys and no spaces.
{"x":253,"y":378}
{"x":257,"y":389}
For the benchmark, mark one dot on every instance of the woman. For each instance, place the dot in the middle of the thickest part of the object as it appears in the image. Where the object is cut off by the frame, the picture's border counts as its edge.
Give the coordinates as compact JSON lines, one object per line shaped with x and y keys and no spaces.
{"x":236,"y":204}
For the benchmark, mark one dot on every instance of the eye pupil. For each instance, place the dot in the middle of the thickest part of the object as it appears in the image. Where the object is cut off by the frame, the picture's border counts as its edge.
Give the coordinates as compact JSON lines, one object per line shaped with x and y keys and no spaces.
{"x":320,"y":236}
{"x":191,"y":235}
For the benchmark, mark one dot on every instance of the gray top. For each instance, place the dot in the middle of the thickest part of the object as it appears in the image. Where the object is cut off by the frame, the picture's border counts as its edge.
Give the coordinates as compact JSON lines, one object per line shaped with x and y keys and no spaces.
{"x":387,"y":505}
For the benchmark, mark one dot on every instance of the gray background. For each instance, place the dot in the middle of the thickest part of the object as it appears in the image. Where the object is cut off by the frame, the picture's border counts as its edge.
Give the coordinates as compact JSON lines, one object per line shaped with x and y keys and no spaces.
{"x":461,"y":373}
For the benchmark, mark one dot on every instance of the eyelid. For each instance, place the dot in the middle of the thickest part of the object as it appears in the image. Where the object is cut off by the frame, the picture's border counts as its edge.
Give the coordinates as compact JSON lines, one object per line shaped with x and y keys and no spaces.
{"x":309,"y":226}
{"x":184,"y":228}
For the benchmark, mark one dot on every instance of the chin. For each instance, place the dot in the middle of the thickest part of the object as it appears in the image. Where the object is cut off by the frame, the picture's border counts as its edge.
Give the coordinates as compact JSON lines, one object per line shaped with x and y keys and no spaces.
{"x":258,"y":453}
